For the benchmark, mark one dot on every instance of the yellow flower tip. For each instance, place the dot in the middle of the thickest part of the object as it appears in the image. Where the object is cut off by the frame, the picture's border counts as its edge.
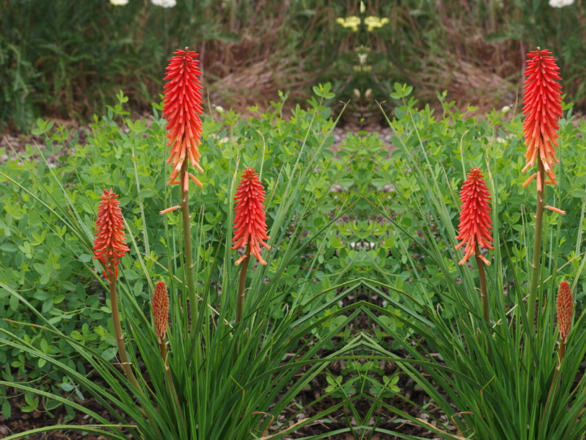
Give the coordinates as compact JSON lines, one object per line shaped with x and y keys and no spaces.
{"x":484,"y":259}
{"x":559,"y":211}
{"x":173,"y":208}
{"x":240,"y":260}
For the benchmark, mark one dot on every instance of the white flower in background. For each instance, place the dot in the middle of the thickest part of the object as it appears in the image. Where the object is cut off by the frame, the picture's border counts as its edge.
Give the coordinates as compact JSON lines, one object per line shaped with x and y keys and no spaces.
{"x":362,"y":7}
{"x":560,"y":3}
{"x":164,"y":3}
{"x":505,"y":109}
{"x":119,"y":2}
{"x":219,"y":109}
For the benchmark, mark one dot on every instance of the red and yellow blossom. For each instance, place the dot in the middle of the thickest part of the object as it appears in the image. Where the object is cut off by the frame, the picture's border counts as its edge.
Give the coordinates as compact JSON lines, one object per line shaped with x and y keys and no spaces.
{"x":475,"y":221}
{"x":182,"y":110}
{"x":542,"y":105}
{"x":250,"y":220}
{"x":110,"y":240}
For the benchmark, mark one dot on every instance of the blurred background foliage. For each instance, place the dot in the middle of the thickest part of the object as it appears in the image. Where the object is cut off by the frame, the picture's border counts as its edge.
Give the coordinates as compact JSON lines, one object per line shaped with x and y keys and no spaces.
{"x":65,"y":58}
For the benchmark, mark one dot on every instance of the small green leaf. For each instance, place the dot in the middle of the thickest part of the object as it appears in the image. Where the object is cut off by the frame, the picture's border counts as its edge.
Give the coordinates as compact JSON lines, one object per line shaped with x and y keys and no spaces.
{"x":67,"y":387}
{"x":6,"y":409}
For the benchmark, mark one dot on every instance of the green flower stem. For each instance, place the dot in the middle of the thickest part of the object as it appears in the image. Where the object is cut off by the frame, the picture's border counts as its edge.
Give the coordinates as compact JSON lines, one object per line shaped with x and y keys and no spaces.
{"x":126,"y":367}
{"x":483,"y":289}
{"x":188,"y":250}
{"x":562,"y":354}
{"x":242,"y":286}
{"x":536,"y":272}
{"x":163,"y":352}
{"x":118,"y":330}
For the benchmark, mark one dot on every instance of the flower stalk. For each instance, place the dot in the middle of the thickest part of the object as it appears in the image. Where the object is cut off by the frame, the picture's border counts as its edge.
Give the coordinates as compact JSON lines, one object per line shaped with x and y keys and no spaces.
{"x":193,"y":304}
{"x":109,"y":248}
{"x":182,"y":109}
{"x":542,"y":105}
{"x":126,"y":365}
{"x":483,"y":288}
{"x":475,"y":226}
{"x":242,"y":285}
{"x":536,"y":265}
{"x":250,"y":228}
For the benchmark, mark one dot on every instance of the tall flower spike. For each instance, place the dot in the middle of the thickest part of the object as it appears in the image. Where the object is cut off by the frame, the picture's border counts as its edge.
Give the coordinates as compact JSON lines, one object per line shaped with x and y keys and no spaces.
{"x":542,"y":104}
{"x":182,"y":108}
{"x":565,"y":309}
{"x":250,"y":220}
{"x":161,"y":309}
{"x":110,"y":240}
{"x":475,"y":221}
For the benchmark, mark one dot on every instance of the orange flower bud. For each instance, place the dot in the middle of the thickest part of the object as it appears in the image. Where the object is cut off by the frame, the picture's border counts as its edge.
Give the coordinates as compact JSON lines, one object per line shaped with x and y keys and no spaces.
{"x":160,"y":305}
{"x":565,"y":309}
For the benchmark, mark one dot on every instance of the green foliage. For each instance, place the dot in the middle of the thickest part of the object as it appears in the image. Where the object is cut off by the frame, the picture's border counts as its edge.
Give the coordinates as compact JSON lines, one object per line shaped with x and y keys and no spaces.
{"x":497,"y":379}
{"x":50,"y":203}
{"x":63,"y":57}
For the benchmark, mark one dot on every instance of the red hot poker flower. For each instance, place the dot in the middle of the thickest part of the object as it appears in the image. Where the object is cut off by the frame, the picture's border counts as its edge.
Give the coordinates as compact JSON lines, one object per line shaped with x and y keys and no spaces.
{"x":542,"y":104}
{"x":182,"y":108}
{"x":161,"y":309}
{"x":475,"y":221}
{"x":565,"y":309}
{"x":250,"y":220}
{"x":110,"y":240}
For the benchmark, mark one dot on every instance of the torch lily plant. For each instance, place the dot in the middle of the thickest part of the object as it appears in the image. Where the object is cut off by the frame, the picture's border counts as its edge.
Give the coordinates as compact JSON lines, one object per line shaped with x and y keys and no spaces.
{"x":186,"y":368}
{"x":503,"y":363}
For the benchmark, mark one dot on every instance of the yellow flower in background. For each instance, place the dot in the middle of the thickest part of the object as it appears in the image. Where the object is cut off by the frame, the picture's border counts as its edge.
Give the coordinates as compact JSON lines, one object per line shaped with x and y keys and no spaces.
{"x":375,"y":22}
{"x":350,"y":22}
{"x":362,"y":7}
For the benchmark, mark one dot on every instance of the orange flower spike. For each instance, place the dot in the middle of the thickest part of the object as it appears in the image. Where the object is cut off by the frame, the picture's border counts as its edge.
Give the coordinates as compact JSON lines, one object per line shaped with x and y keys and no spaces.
{"x":110,"y":240}
{"x":565,"y":309}
{"x":542,"y":104}
{"x":250,"y":220}
{"x":182,"y":110}
{"x":160,"y":305}
{"x":475,"y":221}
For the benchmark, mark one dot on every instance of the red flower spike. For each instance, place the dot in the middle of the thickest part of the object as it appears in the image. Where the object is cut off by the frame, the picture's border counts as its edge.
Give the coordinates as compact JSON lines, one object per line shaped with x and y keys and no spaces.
{"x":161,"y":309}
{"x":542,"y":104}
{"x":250,"y":220}
{"x":110,"y":240}
{"x":565,"y":309}
{"x":182,"y":108}
{"x":475,"y":221}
